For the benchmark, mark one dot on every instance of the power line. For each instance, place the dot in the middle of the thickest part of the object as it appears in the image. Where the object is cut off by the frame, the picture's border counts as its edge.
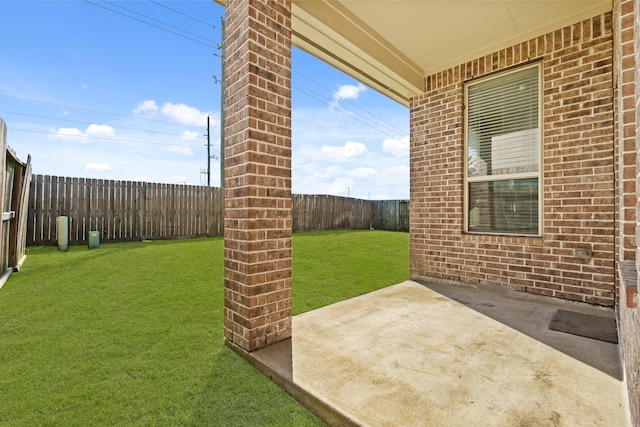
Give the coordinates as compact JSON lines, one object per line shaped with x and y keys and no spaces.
{"x":127,"y":128}
{"x":200,"y":4}
{"x":344,"y":111}
{"x":305,"y":90}
{"x":156,"y":20}
{"x":133,"y":141}
{"x":391,"y":126}
{"x":88,"y":123}
{"x":99,"y":111}
{"x":309,"y":92}
{"x":150,"y":24}
{"x":182,"y":13}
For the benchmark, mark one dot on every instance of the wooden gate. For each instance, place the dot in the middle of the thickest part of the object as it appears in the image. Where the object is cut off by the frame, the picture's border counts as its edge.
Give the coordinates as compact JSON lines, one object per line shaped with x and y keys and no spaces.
{"x":15,"y":180}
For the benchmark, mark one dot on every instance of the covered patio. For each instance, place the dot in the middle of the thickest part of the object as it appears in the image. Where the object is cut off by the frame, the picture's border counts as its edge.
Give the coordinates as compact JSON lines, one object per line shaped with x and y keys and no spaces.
{"x":435,"y":355}
{"x":575,"y":187}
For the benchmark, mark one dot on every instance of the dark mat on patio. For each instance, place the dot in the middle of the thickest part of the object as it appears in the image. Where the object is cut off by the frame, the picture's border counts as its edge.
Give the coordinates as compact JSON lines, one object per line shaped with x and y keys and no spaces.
{"x":585,"y":325}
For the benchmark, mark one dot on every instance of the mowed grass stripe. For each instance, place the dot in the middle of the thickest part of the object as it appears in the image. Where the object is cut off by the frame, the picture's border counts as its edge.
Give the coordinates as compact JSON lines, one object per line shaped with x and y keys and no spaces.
{"x":131,"y":333}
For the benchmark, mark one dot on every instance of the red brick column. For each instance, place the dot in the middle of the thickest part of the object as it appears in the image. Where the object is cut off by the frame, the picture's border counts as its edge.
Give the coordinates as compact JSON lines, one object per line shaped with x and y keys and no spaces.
{"x":625,"y":127}
{"x":636,"y":47}
{"x":257,"y":208}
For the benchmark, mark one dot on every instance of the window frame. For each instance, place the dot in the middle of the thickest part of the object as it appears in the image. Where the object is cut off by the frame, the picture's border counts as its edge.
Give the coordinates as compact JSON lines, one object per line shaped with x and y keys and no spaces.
{"x":504,"y":177}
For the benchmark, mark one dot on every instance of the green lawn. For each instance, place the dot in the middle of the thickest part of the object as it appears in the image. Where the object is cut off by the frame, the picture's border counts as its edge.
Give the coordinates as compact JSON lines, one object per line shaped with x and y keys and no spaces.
{"x":131,"y":333}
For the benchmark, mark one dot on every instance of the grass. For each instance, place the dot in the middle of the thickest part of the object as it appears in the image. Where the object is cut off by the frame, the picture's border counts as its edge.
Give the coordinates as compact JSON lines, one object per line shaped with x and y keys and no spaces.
{"x":131,"y":333}
{"x":330,"y":266}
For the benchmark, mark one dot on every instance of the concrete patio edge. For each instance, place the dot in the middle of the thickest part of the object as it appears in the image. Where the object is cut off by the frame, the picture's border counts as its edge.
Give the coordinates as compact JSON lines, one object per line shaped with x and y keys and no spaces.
{"x":271,"y":361}
{"x":433,"y":354}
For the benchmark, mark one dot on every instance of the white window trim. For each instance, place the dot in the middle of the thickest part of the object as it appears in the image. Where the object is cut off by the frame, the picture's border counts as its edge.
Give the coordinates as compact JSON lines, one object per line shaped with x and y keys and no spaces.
{"x":506,"y":177}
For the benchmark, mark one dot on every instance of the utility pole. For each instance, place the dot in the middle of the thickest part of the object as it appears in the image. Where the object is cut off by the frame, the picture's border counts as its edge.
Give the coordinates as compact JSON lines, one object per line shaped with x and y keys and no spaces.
{"x":222,"y":27}
{"x":208,"y":154}
{"x":221,"y":81}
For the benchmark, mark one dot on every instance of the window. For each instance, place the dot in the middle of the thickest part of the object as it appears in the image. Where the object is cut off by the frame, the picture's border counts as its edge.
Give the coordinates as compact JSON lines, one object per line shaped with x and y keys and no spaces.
{"x":503,"y":154}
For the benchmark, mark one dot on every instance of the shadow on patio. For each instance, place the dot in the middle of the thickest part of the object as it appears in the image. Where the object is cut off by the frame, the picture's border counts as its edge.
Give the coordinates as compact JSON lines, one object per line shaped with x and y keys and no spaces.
{"x":414,"y":354}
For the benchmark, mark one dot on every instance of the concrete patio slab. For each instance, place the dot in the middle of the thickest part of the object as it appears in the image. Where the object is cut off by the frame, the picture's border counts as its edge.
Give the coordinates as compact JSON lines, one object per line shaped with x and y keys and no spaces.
{"x":443,"y":355}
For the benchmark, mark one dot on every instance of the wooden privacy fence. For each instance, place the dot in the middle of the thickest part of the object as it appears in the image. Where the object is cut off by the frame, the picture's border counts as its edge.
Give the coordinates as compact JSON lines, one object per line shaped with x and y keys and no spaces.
{"x":121,"y":210}
{"x":128,"y":210}
{"x":311,"y":212}
{"x":322,"y":212}
{"x":391,"y":215}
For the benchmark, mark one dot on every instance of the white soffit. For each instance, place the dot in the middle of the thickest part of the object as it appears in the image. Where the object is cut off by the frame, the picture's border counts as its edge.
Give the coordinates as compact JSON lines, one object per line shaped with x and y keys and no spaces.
{"x":392,"y":45}
{"x":353,"y":47}
{"x":437,"y":35}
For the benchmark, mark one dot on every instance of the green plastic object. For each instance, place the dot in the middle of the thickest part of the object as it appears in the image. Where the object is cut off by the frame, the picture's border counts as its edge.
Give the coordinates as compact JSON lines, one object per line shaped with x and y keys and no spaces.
{"x":94,"y":239}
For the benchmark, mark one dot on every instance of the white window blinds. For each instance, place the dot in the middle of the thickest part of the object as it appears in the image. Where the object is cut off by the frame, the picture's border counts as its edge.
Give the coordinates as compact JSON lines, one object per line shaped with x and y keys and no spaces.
{"x":503,"y":153}
{"x":502,"y":125}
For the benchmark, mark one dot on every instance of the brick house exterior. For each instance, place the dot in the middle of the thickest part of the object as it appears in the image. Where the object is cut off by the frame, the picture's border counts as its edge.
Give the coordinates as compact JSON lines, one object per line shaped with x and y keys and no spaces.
{"x":578,"y":179}
{"x":590,"y":103}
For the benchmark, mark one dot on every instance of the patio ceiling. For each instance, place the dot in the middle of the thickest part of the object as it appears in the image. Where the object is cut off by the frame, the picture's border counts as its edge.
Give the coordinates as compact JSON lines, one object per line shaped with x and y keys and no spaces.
{"x":392,"y":45}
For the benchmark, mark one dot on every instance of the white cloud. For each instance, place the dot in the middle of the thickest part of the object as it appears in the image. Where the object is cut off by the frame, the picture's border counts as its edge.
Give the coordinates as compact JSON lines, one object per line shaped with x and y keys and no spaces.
{"x":338,"y":187}
{"x":188,"y":135}
{"x":102,"y":131}
{"x":145,"y":178}
{"x":363,"y":173}
{"x":100,"y":167}
{"x":77,"y":135}
{"x":146,"y":107}
{"x":349,"y":151}
{"x":184,"y":114}
{"x":396,"y":176}
{"x":397,"y":147}
{"x":181,"y":149}
{"x":69,"y":134}
{"x":347,"y":92}
{"x":400,"y":170}
{"x":84,"y":86}
{"x":315,"y":172}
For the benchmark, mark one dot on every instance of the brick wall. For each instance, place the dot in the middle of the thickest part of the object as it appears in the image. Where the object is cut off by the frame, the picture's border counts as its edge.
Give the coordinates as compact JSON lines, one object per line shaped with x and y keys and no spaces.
{"x":625,"y":129}
{"x":578,"y":183}
{"x":257,"y":210}
{"x":628,"y":136}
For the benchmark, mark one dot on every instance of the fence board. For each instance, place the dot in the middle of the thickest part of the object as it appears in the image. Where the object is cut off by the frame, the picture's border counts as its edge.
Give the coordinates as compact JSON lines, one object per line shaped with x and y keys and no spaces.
{"x":33,"y":204}
{"x":47,"y":209}
{"x":77,"y":189}
{"x":22,"y":214}
{"x":127,"y":210}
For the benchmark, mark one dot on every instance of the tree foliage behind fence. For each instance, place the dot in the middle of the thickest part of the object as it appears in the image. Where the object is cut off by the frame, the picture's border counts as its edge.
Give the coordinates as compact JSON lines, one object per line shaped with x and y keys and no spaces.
{"x":128,"y":210}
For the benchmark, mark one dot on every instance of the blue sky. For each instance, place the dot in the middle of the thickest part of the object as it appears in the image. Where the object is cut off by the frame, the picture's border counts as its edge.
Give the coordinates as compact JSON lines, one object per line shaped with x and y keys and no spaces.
{"x":88,"y":90}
